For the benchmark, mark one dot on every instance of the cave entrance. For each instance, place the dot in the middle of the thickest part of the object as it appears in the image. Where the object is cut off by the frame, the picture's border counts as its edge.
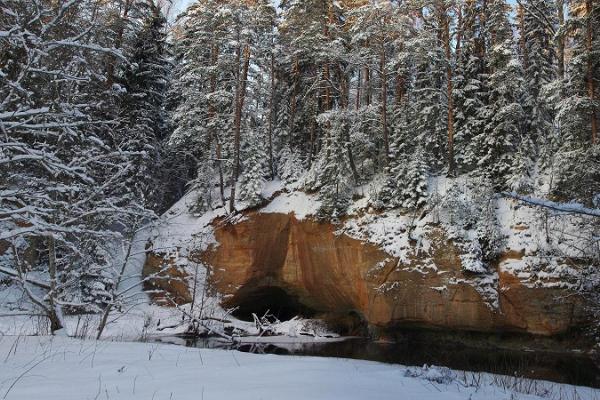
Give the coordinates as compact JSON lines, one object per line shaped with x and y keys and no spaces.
{"x":270,"y":299}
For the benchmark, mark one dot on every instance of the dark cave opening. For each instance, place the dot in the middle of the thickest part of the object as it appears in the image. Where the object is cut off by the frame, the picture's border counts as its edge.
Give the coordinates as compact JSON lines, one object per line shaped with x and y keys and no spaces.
{"x":271,"y":299}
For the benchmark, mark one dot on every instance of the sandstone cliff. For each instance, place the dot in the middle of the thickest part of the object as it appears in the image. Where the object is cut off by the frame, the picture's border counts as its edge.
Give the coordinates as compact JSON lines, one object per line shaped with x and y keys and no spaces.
{"x":326,"y":272}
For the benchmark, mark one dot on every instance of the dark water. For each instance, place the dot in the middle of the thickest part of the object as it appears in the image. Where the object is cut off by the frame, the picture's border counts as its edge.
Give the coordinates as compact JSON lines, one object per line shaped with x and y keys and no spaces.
{"x":561,"y":368}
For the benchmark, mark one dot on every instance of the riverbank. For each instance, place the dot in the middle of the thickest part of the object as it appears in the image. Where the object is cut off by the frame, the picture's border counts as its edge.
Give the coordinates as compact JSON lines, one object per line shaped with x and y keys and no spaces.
{"x":61,"y":368}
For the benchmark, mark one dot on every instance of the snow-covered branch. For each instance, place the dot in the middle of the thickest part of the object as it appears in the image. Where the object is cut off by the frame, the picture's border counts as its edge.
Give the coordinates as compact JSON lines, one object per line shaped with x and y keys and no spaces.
{"x":568,"y":208}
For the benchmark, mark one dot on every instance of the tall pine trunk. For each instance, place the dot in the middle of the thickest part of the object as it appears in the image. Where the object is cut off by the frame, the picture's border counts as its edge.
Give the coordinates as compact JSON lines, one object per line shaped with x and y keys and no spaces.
{"x":449,"y":90}
{"x":240,"y":97}
{"x":386,"y":141}
{"x":293,"y":99}
{"x":590,"y":68}
{"x":271,"y":116}
{"x":367,"y":88}
{"x":211,"y":116}
{"x":345,"y":104}
{"x":110,"y":67}
{"x":522,"y":38}
{"x":561,"y":39}
{"x":358,"y":84}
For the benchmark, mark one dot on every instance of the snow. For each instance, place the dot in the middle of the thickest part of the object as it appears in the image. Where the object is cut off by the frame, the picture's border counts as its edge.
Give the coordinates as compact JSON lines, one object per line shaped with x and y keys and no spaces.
{"x":300,"y":204}
{"x":179,"y":227}
{"x":271,"y":187}
{"x":157,"y":371}
{"x":60,"y":368}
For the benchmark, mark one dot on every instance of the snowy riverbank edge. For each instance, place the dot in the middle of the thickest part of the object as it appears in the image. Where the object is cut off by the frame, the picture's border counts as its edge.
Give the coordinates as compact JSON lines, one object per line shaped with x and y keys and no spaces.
{"x":54,"y":368}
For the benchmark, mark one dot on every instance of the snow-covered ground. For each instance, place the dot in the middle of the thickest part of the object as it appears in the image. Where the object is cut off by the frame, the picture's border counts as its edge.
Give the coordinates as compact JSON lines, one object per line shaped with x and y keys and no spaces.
{"x":60,"y":368}
{"x":63,"y":368}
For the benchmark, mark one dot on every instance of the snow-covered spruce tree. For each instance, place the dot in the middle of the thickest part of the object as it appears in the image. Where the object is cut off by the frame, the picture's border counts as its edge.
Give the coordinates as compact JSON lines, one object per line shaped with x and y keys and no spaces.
{"x":376,"y":31}
{"x":289,"y":165}
{"x":145,"y":79}
{"x":204,"y":185}
{"x":427,"y":95}
{"x":576,"y":164}
{"x":332,"y":172}
{"x":202,"y":92}
{"x":495,"y":148}
{"x":253,"y":29}
{"x":390,"y":195}
{"x":405,"y":178}
{"x":539,"y":63}
{"x":308,"y":32}
{"x":488,"y":235}
{"x":414,"y":193}
{"x":257,"y":139}
{"x":470,"y":92}
{"x":63,"y":172}
{"x":253,"y":179}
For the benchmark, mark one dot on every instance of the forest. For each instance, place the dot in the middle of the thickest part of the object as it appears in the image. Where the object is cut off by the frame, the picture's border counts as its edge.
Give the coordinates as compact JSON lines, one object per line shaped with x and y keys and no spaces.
{"x":312,"y":170}
{"x":111,"y":111}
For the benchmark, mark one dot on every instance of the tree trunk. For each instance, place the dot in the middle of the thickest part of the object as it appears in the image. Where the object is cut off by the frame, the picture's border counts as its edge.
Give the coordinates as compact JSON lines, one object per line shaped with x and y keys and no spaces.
{"x":590,"y":69}
{"x":522,"y":38}
{"x":53,"y":309}
{"x":326,"y":70}
{"x":211,"y":116}
{"x":386,"y":143}
{"x":293,"y":100}
{"x":459,"y":32}
{"x":358,"y":83}
{"x":446,"y":36}
{"x":110,"y":306}
{"x":311,"y":141}
{"x":271,"y":116}
{"x":367,"y":88}
{"x":400,"y":82}
{"x":239,"y":105}
{"x":327,"y":78}
{"x":345,"y":103}
{"x":110,"y":68}
{"x":561,"y":40}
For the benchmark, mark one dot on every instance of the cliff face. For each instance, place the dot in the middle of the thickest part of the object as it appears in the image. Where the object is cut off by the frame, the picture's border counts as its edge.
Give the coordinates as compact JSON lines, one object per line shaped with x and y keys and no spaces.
{"x":333,"y":273}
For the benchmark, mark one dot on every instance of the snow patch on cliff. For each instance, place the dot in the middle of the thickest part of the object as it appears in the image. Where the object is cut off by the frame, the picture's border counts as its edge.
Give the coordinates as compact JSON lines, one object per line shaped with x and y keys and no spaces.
{"x":300,"y":204}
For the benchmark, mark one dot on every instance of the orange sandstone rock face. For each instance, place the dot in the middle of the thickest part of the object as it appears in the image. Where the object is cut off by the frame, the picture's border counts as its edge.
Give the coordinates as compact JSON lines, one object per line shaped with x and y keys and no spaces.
{"x":336,"y":273}
{"x":332,"y":273}
{"x":167,"y":284}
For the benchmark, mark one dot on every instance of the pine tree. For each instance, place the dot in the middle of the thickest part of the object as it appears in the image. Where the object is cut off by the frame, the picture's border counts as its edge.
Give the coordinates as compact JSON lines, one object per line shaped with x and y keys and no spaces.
{"x":290,"y":166}
{"x":332,"y":170}
{"x":428,"y":94}
{"x":539,"y":26}
{"x":414,"y":190}
{"x":403,"y":151}
{"x":576,"y":159}
{"x":303,"y":33}
{"x":376,"y":32}
{"x":495,"y":148}
{"x":470,"y":91}
{"x":202,"y":91}
{"x":145,"y":80}
{"x":255,"y":170}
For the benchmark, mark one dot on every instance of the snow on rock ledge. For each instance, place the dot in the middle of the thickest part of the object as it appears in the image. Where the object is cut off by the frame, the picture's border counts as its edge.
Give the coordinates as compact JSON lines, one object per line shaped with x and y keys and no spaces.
{"x":385,"y":270}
